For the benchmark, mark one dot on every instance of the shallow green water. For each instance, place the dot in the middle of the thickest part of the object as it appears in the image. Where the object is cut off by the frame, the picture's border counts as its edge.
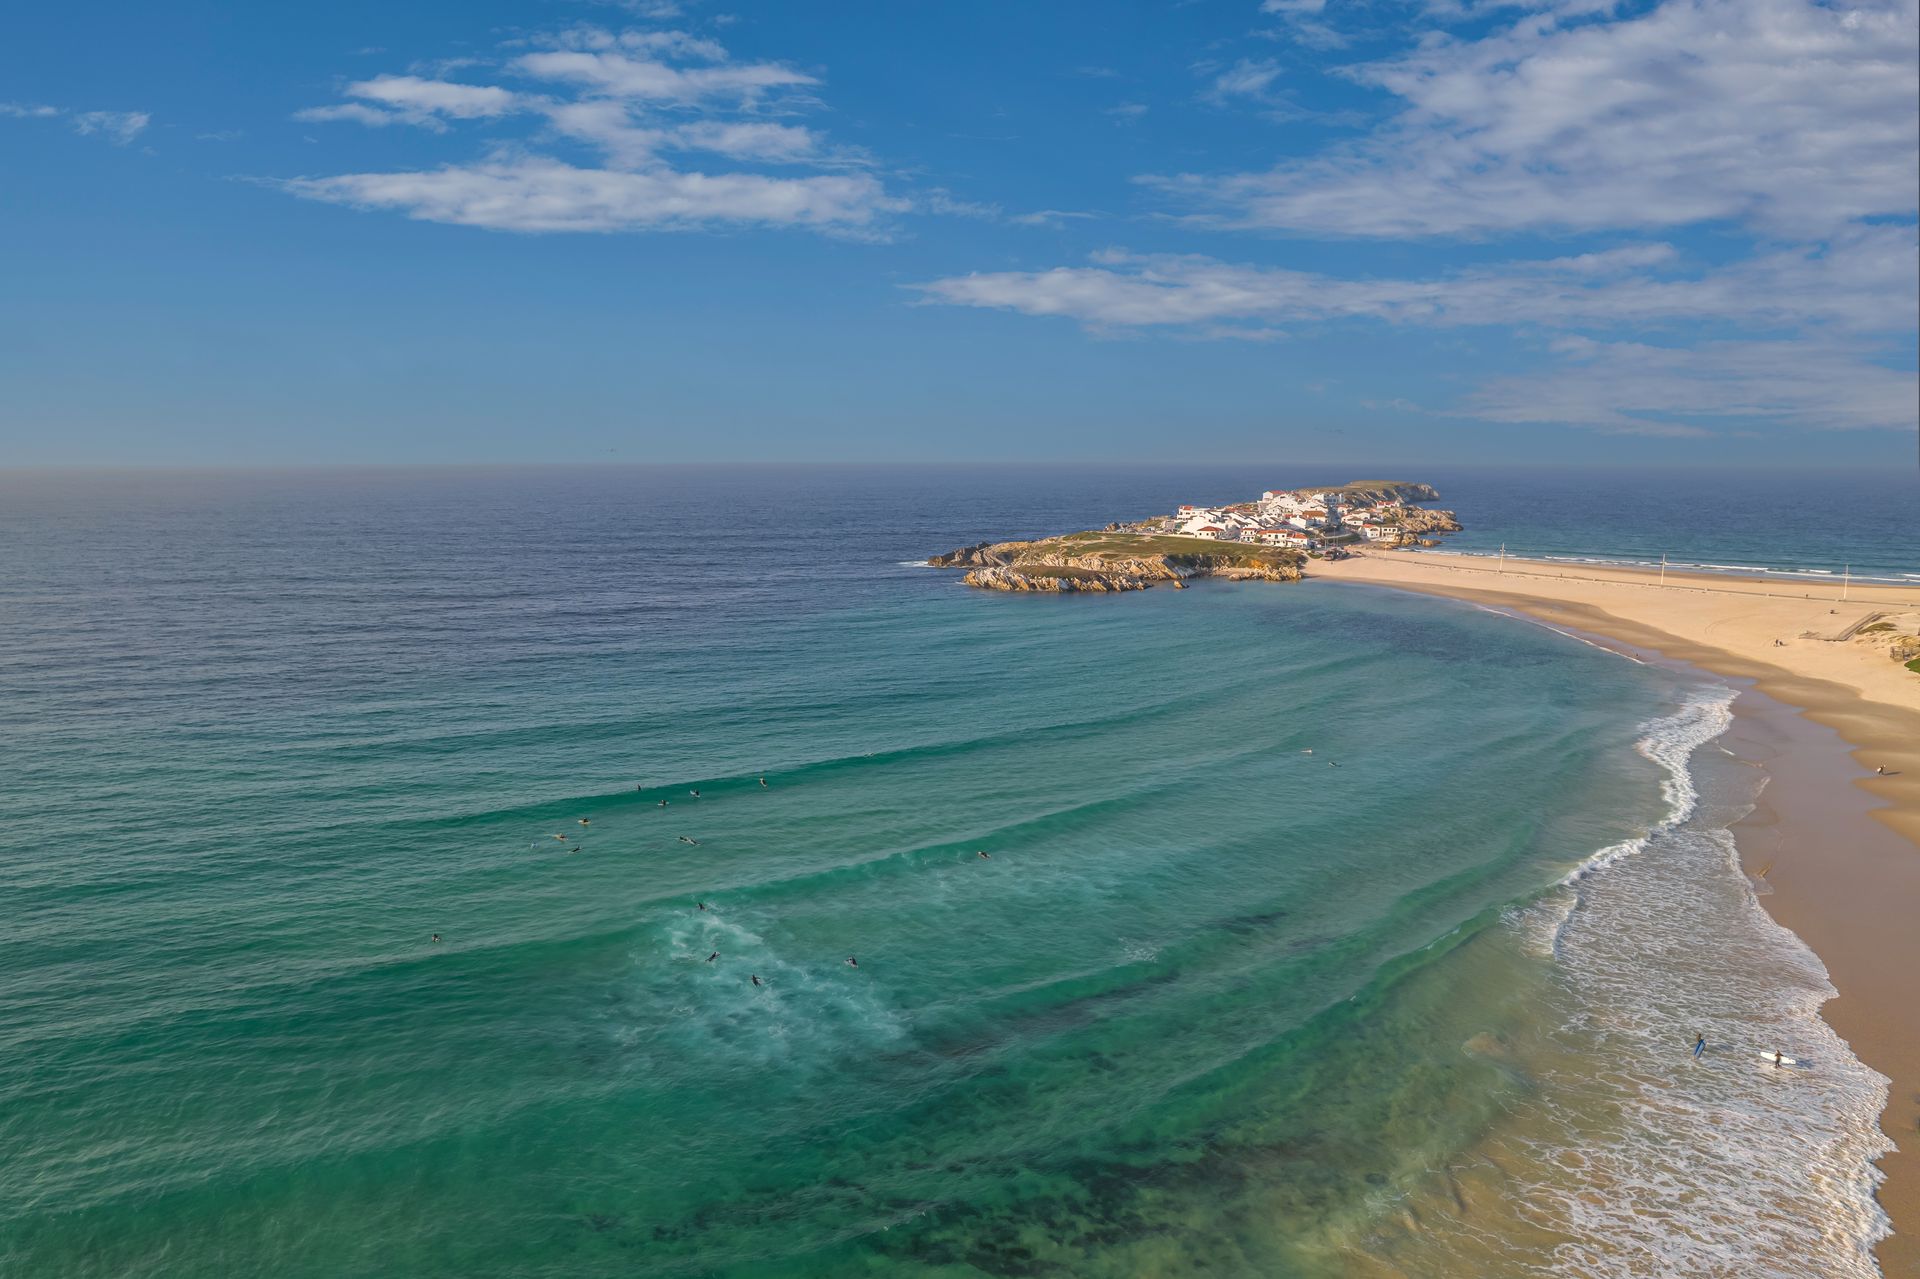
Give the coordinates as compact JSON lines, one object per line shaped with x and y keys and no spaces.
{"x":1202,"y":1008}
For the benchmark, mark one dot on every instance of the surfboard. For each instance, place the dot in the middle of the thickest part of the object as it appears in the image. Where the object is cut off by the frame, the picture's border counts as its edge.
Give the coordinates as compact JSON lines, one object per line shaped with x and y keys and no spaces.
{"x":1767,"y":1058}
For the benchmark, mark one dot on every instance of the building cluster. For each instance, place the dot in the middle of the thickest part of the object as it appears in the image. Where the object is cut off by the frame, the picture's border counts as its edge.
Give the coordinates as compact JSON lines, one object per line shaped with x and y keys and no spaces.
{"x":1303,"y":519}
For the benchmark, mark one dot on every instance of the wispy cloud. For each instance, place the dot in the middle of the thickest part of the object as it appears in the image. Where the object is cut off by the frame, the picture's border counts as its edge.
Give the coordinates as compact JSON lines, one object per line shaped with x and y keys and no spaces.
{"x":535,"y":194}
{"x":1249,"y":79}
{"x":1816,"y":311}
{"x":634,"y":98}
{"x":117,"y":127}
{"x":1786,"y":114}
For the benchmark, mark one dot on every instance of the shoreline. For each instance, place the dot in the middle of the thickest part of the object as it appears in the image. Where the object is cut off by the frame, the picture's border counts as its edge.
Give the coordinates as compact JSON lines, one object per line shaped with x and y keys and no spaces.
{"x":1850,"y":899}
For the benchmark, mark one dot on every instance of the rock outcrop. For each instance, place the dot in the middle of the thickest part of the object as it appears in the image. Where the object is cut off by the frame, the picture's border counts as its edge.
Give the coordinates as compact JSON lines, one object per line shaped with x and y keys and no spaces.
{"x":1108,"y":561}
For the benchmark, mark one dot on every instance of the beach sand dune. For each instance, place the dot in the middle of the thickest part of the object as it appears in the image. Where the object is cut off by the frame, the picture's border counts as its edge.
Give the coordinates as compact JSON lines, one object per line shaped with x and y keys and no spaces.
{"x":1851,"y":891}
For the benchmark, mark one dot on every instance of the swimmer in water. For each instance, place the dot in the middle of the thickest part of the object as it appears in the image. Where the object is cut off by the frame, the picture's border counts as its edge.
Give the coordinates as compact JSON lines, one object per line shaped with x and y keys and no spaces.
{"x":715,"y":955}
{"x":685,"y":840}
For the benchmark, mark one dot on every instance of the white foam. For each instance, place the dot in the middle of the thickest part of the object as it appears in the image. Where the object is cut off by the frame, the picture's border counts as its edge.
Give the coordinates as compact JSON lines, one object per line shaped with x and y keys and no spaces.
{"x":1655,"y":1163}
{"x":1670,"y":742}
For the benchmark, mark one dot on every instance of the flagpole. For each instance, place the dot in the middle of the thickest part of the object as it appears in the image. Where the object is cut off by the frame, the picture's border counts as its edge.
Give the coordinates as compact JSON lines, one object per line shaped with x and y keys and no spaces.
{"x":1663,"y":568}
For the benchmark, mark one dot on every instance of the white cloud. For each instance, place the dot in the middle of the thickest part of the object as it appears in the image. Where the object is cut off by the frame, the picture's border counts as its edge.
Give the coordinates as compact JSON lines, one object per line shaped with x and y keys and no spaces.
{"x":1860,"y":283}
{"x":622,"y":76}
{"x":1819,"y":317}
{"x":360,"y":113}
{"x":537,"y":194}
{"x":406,"y":93}
{"x":634,"y":97}
{"x":1787,"y":114}
{"x":1247,"y":78}
{"x":1127,"y":112}
{"x":117,"y":127}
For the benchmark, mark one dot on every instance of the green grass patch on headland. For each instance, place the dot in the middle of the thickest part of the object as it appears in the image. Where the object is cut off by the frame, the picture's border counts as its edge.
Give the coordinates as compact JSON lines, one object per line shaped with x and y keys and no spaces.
{"x":1914,"y":666}
{"x":1875,"y":626}
{"x":1144,"y":544}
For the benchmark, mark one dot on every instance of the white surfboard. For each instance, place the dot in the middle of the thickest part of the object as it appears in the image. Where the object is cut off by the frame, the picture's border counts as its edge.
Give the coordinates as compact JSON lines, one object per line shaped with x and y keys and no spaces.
{"x":1784,"y":1060}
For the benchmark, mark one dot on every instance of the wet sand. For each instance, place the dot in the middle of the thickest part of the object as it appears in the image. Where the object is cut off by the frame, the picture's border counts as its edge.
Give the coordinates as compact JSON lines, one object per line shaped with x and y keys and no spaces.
{"x":1840,"y":840}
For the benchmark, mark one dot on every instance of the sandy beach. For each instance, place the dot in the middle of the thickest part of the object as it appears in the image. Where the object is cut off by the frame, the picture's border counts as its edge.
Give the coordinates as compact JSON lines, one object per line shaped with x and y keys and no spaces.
{"x":1842,"y":841}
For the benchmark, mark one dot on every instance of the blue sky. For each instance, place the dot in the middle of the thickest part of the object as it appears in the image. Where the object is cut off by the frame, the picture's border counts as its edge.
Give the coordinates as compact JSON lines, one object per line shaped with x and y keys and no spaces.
{"x":1363,"y":230}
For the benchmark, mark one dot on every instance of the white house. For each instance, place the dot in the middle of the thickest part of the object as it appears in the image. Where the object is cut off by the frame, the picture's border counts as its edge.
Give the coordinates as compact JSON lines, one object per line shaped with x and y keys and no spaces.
{"x":1276,"y":536}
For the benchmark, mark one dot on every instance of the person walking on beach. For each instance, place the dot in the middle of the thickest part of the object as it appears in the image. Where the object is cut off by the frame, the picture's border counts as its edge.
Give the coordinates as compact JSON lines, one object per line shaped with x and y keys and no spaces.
{"x":1699,"y":1045}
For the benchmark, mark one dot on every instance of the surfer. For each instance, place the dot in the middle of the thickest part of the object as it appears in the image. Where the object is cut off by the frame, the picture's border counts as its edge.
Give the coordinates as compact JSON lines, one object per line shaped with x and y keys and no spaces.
{"x":756,"y":979}
{"x":685,"y":840}
{"x":763,"y":783}
{"x":852,"y":962}
{"x":715,"y":955}
{"x":586,"y":821}
{"x":984,"y":856}
{"x":559,"y":836}
{"x":694,"y":793}
{"x":1881,"y":769}
{"x":663,"y":803}
{"x":436,"y":936}
{"x":701,"y":905}
{"x":1777,"y":1055}
{"x":1699,"y":1045}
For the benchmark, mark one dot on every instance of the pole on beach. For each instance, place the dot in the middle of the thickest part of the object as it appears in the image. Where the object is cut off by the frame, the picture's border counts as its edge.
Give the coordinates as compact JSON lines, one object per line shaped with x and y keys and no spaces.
{"x":1846,"y":581}
{"x":1663,"y":568}
{"x":1503,"y":557}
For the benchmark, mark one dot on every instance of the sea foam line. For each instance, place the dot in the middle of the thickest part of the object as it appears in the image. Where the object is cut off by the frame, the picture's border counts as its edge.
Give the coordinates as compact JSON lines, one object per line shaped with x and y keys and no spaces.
{"x":1670,"y":742}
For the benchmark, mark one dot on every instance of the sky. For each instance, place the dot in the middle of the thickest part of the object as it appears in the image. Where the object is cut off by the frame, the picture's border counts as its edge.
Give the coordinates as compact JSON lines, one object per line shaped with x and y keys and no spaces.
{"x":1548,"y":231}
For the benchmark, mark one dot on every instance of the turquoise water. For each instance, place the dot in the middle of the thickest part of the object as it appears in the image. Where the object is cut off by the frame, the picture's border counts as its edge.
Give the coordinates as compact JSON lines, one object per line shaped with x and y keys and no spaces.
{"x":1260,"y":863}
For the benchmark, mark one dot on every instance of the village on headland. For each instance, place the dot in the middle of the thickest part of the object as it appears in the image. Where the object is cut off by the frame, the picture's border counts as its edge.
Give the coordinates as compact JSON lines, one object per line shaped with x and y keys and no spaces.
{"x":1268,"y":539}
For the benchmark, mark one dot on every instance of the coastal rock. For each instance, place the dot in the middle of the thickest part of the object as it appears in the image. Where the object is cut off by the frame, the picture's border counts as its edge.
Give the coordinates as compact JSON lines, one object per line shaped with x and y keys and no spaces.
{"x":980,"y":553}
{"x":1905,"y":648}
{"x":1416,"y":520}
{"x":1011,"y":579}
{"x":1108,"y":561}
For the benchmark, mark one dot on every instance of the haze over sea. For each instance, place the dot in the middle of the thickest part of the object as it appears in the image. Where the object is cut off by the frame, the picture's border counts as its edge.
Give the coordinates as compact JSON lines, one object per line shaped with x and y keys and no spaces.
{"x":1325,"y":931}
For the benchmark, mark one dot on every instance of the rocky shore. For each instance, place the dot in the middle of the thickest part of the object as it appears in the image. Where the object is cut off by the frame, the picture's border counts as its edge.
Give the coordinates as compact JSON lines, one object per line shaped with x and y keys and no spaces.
{"x":1115,"y":561}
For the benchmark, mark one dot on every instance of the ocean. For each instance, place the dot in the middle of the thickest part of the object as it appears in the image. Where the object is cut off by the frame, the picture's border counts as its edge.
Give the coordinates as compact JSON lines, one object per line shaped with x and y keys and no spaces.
{"x":804,"y":913}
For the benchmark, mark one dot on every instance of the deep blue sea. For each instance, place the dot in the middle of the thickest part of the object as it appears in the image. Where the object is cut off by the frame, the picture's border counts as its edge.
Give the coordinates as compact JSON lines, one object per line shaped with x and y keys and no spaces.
{"x":657,"y":871}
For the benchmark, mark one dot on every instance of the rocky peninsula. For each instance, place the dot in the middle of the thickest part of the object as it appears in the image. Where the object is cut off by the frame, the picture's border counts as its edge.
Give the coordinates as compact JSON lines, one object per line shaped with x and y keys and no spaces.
{"x":1269,"y":540}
